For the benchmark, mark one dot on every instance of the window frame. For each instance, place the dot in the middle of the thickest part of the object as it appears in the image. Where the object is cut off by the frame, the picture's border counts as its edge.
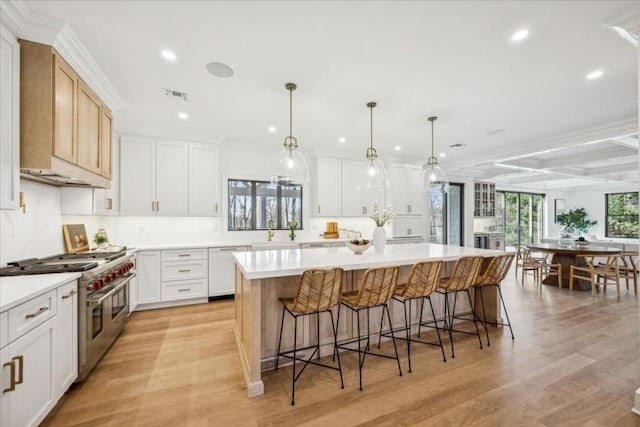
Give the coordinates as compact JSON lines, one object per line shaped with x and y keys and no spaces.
{"x":606,"y":215}
{"x":278,"y":222}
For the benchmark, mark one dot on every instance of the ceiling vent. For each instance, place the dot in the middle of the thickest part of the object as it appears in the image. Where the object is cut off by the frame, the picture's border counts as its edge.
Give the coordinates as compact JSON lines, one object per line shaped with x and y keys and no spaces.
{"x":176,"y":94}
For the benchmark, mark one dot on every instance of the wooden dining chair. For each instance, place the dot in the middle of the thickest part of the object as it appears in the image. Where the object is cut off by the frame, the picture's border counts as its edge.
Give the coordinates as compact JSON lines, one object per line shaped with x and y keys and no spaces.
{"x":628,"y":268}
{"x":548,"y":268}
{"x":530,"y":265}
{"x":595,"y":273}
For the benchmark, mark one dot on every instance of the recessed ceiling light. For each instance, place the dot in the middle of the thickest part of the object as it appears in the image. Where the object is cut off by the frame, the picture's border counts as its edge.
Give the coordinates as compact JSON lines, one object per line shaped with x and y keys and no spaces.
{"x":169,"y":55}
{"x":397,"y":148}
{"x":520,"y":35}
{"x":443,"y":154}
{"x":595,"y":74}
{"x":272,"y":129}
{"x":342,"y":139}
{"x":183,"y":116}
{"x":219,"y":69}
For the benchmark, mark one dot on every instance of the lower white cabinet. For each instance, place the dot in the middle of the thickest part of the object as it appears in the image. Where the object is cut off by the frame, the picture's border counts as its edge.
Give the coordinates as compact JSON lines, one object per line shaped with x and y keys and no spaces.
{"x":148,"y":271}
{"x":40,"y":362}
{"x":222,"y":270}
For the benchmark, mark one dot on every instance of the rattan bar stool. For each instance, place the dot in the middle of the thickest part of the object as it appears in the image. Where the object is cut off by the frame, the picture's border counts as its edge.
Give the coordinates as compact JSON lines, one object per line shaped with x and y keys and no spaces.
{"x":463,"y":275}
{"x":319,"y":292}
{"x":375,"y":289}
{"x":423,"y":280}
{"x":493,"y":275}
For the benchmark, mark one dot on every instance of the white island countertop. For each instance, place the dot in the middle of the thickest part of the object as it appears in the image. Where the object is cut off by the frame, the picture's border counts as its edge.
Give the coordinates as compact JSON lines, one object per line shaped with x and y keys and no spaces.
{"x":18,"y":289}
{"x":292,"y":262}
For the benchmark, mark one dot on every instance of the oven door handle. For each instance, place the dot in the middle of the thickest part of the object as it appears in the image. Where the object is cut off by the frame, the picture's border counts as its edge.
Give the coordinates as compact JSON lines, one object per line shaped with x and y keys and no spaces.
{"x":98,"y":301}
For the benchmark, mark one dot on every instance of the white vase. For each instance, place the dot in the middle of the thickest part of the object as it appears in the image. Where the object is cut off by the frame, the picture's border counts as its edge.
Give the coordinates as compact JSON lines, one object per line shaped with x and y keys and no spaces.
{"x":379,"y":239}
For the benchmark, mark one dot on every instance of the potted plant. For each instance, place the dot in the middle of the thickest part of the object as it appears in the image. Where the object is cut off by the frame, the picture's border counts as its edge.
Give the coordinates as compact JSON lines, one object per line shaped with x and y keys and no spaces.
{"x":575,"y":222}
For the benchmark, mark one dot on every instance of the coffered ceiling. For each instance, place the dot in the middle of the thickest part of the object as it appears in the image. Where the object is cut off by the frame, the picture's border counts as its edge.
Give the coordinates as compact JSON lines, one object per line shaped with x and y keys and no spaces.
{"x":525,"y":111}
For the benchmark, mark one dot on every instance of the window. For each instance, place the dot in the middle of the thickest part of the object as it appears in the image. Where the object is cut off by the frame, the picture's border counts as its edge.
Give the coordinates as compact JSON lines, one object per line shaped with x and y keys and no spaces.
{"x":253,"y":204}
{"x":622,"y":215}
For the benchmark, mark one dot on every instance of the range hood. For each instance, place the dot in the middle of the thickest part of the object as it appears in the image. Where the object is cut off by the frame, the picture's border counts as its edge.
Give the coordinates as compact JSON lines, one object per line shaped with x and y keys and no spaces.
{"x":53,"y":178}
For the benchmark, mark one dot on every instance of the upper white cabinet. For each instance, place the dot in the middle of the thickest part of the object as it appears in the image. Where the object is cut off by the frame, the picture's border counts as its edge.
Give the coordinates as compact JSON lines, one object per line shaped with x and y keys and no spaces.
{"x":170,"y":178}
{"x":408,"y":196}
{"x":337,"y":193}
{"x":203,"y":180}
{"x":328,"y":188}
{"x":9,"y":119}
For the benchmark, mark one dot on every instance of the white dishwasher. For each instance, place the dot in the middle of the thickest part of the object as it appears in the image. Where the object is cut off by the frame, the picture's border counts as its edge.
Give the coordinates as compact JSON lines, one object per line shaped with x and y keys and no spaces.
{"x":222,"y":270}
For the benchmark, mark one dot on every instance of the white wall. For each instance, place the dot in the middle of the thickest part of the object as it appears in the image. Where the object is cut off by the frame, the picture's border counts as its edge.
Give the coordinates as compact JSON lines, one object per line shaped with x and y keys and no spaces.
{"x":36,"y":233}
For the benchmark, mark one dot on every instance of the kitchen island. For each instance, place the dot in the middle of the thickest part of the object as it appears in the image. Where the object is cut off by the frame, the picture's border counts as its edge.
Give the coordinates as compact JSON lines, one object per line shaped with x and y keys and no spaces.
{"x":263,"y":277}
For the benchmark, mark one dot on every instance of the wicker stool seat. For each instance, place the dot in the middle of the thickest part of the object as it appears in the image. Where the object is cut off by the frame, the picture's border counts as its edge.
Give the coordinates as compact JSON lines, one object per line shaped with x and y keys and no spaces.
{"x":422,"y":282}
{"x":463,"y":275}
{"x":318,"y":292}
{"x":374,"y":290}
{"x":493,"y":275}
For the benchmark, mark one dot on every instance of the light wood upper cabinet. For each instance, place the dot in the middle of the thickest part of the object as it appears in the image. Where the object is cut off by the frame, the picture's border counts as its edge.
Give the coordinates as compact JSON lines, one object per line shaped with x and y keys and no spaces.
{"x":89,"y":118}
{"x":106,"y":142}
{"x":65,"y":87}
{"x":65,"y":129}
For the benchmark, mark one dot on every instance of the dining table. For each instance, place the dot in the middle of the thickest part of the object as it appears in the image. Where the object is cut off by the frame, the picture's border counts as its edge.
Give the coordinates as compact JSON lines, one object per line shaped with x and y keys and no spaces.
{"x":567,"y":255}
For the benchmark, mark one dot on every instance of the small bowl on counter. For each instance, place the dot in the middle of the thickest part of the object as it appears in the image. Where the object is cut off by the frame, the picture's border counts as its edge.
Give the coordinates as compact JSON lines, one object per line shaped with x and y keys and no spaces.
{"x":358,"y":246}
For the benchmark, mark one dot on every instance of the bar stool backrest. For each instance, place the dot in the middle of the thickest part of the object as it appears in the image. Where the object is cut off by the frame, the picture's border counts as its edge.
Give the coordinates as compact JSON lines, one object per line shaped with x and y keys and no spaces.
{"x":464,"y":273}
{"x":377,"y":286}
{"x":496,"y":270}
{"x":319,"y":290}
{"x":423,"y":279}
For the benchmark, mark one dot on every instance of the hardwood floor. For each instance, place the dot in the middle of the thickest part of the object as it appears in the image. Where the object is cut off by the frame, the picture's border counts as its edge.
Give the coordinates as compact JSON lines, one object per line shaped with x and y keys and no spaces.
{"x":575,"y":362}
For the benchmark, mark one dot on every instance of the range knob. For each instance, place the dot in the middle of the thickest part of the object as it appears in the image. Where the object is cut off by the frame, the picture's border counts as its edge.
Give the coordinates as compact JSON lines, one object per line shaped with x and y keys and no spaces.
{"x":130,"y":265}
{"x":113,"y":275}
{"x":121,"y":271}
{"x":97,"y":284}
{"x":106,"y":278}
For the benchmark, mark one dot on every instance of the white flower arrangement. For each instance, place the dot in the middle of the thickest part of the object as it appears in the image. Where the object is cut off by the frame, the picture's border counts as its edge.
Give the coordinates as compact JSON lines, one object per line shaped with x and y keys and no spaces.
{"x":380,"y":218}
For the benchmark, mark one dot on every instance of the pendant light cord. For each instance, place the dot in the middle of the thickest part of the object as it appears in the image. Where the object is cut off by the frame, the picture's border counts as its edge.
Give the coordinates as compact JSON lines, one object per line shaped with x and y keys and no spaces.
{"x":371,"y":125}
{"x":432,"y":149}
{"x":290,"y":112}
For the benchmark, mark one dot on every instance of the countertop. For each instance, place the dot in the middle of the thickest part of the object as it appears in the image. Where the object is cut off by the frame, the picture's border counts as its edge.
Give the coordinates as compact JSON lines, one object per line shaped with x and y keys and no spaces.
{"x":229,"y":243}
{"x":292,"y":262}
{"x":18,"y":289}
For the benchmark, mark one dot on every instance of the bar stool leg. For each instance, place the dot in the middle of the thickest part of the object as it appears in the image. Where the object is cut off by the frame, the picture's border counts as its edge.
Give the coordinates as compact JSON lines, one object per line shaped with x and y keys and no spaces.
{"x":359,"y":350}
{"x":280,"y":339}
{"x":433,"y":313}
{"x":318,"y":333}
{"x":335,"y":345}
{"x":393,"y":337}
{"x":484,"y":315}
{"x":447,"y":324}
{"x":421,"y":311}
{"x":368,"y":332}
{"x":293,"y":370}
{"x":381,"y":325}
{"x":475,"y":321}
{"x":407,"y":330}
{"x":505,"y":311}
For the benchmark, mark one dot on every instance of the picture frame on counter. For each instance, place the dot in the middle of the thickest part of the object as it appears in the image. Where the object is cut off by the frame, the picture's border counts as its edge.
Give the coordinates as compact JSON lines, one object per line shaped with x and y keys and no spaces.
{"x":75,"y":238}
{"x":558,"y":209}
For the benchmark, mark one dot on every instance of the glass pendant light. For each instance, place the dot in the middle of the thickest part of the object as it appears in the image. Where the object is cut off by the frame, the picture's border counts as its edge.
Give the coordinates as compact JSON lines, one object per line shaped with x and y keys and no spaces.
{"x":291,"y":166}
{"x":435,"y":179}
{"x":372,"y":173}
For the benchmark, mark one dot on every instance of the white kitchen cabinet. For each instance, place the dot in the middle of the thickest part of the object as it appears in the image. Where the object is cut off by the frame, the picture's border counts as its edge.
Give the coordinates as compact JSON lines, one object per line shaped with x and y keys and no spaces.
{"x":204,"y":180}
{"x":352,"y":204}
{"x":105,"y":201}
{"x":328,"y":188}
{"x":172,"y":178}
{"x":407,"y":194}
{"x":65,"y":339}
{"x":137,"y":176}
{"x":9,"y":119}
{"x":408,"y":226}
{"x":148,"y":269}
{"x":222,"y":270}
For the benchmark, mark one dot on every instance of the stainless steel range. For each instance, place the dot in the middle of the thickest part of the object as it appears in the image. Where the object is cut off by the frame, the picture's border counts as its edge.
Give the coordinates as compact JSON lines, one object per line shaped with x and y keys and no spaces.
{"x":103,"y":296}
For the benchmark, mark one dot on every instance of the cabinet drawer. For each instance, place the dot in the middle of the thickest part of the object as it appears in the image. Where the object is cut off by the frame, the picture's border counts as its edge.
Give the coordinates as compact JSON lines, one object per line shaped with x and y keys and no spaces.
{"x":68,"y":290}
{"x":184,"y":289}
{"x":184,"y":254}
{"x":30,"y":314}
{"x":184,"y":270}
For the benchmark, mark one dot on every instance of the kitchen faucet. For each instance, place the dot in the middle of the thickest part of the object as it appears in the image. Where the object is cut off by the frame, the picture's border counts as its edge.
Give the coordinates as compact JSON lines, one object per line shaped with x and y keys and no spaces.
{"x":270,"y":231}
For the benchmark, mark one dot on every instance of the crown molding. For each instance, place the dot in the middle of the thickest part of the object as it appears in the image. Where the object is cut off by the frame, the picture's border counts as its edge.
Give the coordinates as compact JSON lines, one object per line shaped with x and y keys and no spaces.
{"x":25,"y":24}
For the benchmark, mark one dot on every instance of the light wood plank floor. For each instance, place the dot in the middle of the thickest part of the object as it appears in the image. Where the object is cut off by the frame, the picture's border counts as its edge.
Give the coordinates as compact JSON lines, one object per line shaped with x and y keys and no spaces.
{"x":575,"y":362}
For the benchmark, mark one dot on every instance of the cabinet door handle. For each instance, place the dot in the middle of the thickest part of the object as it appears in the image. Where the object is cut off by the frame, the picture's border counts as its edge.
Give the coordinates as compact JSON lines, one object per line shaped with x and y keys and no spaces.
{"x":408,"y":208}
{"x":19,"y":359}
{"x":153,"y":206}
{"x":184,"y":254}
{"x":184,"y":271}
{"x":216,"y":208}
{"x":69,"y":295}
{"x":184,"y":290}
{"x":318,"y":208}
{"x":157,"y":206}
{"x":364,"y":210}
{"x":37,"y":313}
{"x":12,"y":384}
{"x":229,"y":249}
{"x":109,"y":203}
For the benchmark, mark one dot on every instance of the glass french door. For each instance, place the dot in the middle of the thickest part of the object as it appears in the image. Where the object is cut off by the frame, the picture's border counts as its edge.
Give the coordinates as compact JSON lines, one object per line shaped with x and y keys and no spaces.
{"x":446,"y":216}
{"x":522,"y":217}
